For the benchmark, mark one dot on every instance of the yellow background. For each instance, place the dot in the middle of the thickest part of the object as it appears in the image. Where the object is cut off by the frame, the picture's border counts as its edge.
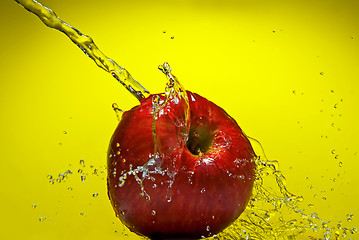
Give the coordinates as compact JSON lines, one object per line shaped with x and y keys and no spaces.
{"x":287,"y":71}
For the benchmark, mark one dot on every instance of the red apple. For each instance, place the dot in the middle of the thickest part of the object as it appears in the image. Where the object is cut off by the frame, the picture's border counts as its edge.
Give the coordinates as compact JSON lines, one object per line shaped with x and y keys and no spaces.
{"x":186,"y":192}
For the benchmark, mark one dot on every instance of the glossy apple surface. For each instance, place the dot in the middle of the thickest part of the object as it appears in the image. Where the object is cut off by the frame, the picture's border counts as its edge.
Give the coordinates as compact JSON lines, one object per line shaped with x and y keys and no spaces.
{"x":203,"y":189}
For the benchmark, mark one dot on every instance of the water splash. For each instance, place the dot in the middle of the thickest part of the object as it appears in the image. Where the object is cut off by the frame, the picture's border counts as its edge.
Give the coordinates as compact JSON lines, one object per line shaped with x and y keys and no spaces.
{"x":87,"y":45}
{"x":275,"y":213}
{"x":170,"y":114}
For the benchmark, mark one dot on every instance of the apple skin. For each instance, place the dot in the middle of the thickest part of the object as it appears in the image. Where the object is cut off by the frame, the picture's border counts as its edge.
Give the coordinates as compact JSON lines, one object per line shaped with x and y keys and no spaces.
{"x":208,"y":191}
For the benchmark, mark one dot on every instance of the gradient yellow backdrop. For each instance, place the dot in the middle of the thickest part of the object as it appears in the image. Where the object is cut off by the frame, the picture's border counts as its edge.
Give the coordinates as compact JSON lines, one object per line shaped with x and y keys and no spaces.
{"x":287,"y":71}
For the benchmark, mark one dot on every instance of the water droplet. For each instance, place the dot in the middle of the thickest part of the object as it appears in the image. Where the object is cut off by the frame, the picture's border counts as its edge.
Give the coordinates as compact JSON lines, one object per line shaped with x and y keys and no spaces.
{"x":69,"y":188}
{"x":321,"y":73}
{"x":82,"y":162}
{"x":52,"y":181}
{"x":117,"y":144}
{"x":41,"y":219}
{"x":336,"y":105}
{"x":340,"y":164}
{"x":327,"y":236}
{"x":203,"y":190}
{"x":164,"y":31}
{"x":333,"y":151}
{"x":153,"y":212}
{"x":172,"y":37}
{"x":118,"y":111}
{"x":83,"y":178}
{"x":118,"y":152}
{"x":65,"y":132}
{"x":79,"y":171}
{"x":33,"y":205}
{"x":208,"y":228}
{"x":95,"y":195}
{"x":81,"y":213}
{"x":49,"y":176}
{"x":332,"y":91}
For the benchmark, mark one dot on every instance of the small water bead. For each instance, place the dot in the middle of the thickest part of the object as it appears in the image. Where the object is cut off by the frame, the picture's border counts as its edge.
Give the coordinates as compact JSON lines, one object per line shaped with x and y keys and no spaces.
{"x":82,"y":162}
{"x":117,"y":145}
{"x":61,"y":176}
{"x":172,"y":37}
{"x":327,"y":236}
{"x":153,"y":212}
{"x":65,"y":132}
{"x":41,"y":219}
{"x":34,"y":206}
{"x":123,"y":212}
{"x":321,"y":73}
{"x":208,"y":228}
{"x":81,"y":213}
{"x":80,"y":170}
{"x":95,"y":195}
{"x":350,"y":217}
{"x":83,"y":178}
{"x":49,"y":176}
{"x":52,"y":181}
